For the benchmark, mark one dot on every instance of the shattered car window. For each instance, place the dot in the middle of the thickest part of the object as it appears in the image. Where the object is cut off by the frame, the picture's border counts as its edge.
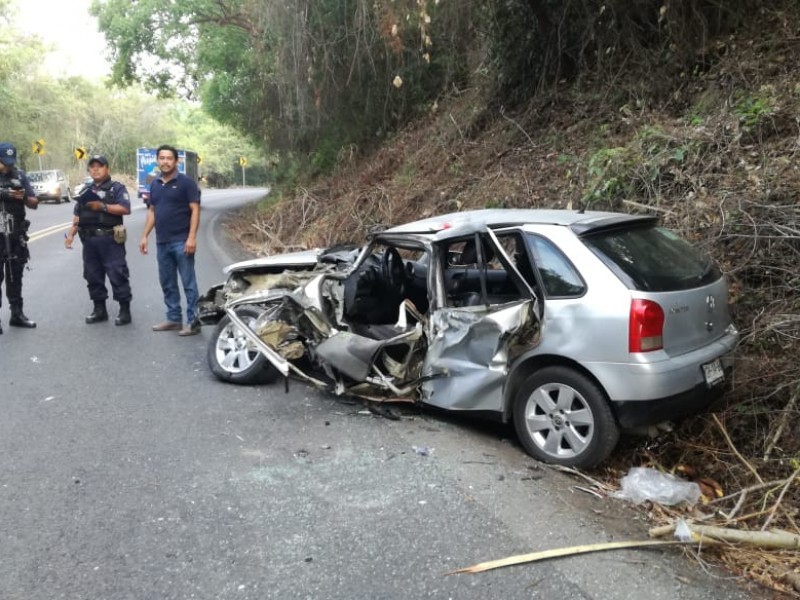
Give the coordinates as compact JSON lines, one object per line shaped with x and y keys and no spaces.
{"x":476,"y":276}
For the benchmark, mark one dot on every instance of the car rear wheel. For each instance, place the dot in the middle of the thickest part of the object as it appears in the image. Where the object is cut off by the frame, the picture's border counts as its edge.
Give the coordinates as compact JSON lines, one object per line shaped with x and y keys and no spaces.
{"x":563,"y":417}
{"x":232,"y":357}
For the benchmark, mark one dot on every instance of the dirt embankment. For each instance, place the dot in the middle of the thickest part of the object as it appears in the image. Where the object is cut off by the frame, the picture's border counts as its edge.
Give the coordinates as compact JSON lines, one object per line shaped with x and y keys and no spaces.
{"x":716,"y":159}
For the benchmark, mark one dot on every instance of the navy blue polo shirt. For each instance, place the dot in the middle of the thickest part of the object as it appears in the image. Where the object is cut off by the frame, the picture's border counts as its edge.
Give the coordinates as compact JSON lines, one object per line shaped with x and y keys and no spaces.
{"x":170,"y":202}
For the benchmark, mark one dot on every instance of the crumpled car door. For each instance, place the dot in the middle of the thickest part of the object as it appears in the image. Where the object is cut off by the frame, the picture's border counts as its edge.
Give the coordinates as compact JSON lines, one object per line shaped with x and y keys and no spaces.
{"x":470,"y":348}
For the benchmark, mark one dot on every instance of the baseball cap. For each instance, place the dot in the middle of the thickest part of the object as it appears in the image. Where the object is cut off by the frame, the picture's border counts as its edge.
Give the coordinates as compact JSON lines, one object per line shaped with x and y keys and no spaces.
{"x":98,"y":158}
{"x":8,"y":153}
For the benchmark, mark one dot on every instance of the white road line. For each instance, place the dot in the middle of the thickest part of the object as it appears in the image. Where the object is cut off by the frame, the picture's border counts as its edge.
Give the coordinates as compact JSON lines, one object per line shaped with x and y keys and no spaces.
{"x":49,"y":231}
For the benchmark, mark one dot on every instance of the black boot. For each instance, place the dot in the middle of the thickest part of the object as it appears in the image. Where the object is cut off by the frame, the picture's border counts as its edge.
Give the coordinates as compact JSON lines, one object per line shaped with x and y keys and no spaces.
{"x":124,"y":316}
{"x":18,"y":318}
{"x":99,"y":314}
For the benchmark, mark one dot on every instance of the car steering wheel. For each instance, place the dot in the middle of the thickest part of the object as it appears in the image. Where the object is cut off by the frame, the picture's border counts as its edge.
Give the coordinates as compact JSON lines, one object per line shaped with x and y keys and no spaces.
{"x":393,"y":270}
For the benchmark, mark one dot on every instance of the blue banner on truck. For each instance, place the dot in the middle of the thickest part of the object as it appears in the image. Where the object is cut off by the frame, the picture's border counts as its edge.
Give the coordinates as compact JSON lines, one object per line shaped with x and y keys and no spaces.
{"x":147,"y":168}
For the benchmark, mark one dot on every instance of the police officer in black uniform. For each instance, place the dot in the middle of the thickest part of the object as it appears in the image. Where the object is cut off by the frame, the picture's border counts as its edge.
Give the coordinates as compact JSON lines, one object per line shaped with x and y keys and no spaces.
{"x":97,"y":219}
{"x":16,"y":195}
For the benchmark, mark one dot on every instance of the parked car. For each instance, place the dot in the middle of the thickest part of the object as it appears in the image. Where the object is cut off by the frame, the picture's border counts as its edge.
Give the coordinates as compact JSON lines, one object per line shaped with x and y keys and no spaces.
{"x":86,"y":182}
{"x":51,"y":185}
{"x":572,"y":325}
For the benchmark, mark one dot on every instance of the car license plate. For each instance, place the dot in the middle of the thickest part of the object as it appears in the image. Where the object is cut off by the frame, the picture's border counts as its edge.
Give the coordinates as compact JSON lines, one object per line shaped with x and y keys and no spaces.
{"x":713,"y":372}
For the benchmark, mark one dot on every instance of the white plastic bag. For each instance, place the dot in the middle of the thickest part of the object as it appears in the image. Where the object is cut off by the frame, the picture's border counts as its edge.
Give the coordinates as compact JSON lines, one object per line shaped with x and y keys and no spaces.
{"x":644,"y":483}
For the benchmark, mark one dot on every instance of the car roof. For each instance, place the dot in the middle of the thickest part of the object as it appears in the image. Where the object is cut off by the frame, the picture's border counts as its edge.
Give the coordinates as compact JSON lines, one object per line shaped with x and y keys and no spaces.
{"x":462,"y":223}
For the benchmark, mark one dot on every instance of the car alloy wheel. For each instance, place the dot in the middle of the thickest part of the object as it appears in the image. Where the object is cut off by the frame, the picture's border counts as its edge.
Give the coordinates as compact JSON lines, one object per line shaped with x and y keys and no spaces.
{"x":233,"y":357}
{"x":561,"y":416}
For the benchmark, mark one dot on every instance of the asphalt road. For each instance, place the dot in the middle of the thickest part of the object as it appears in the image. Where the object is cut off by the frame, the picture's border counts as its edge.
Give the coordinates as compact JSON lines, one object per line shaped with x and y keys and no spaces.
{"x":128,"y":472}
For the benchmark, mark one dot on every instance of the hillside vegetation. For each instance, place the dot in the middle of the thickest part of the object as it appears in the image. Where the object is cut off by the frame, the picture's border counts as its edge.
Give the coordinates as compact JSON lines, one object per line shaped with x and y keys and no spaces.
{"x":374,"y":112}
{"x":709,"y":142}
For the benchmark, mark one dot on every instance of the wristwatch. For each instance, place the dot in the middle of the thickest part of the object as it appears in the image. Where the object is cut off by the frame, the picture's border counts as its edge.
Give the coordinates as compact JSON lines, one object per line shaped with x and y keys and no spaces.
{"x":105,"y":207}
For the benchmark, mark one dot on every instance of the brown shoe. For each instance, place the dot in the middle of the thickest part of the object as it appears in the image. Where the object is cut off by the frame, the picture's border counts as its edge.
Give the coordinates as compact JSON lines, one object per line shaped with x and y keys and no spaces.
{"x":167,"y":326}
{"x":192,"y":328}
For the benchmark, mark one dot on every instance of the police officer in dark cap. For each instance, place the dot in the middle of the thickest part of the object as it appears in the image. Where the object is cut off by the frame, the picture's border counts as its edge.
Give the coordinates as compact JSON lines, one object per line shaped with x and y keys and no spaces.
{"x":97,"y":219}
{"x":16,"y":195}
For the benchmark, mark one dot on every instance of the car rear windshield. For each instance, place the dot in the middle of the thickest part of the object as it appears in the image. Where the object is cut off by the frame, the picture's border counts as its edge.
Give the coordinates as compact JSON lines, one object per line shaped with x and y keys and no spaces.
{"x":42,"y":176}
{"x":653,"y":258}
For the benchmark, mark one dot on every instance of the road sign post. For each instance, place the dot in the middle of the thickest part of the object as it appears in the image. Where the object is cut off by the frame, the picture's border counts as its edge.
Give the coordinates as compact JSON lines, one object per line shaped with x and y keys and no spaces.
{"x":38,"y":149}
{"x":243,"y":164}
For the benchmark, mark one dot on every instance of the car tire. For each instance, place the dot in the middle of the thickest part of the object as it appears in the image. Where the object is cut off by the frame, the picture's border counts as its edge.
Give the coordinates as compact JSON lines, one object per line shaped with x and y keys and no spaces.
{"x":563,"y":417}
{"x":233,"y":358}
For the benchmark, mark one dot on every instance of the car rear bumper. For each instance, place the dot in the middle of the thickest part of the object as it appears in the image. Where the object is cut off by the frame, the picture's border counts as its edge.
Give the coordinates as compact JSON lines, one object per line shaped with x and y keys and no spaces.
{"x":633,"y":414}
{"x":648,"y":393}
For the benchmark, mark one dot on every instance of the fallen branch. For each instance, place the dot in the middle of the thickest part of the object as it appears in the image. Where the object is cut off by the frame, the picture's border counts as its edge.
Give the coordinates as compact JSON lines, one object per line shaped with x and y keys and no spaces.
{"x":558,"y":553}
{"x":780,"y":498}
{"x":646,"y":206}
{"x":750,"y":488}
{"x":787,"y":412}
{"x":577,"y":473}
{"x":735,"y":451}
{"x":766,"y":539}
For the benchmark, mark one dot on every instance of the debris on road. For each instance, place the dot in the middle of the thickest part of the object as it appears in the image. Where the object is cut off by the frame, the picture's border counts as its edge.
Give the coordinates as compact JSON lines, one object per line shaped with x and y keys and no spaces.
{"x":560,"y":552}
{"x":704,"y":533}
{"x":644,"y":483}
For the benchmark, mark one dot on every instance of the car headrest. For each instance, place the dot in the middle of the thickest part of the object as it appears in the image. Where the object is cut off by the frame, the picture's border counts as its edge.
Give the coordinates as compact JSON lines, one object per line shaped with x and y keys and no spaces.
{"x":469,"y":255}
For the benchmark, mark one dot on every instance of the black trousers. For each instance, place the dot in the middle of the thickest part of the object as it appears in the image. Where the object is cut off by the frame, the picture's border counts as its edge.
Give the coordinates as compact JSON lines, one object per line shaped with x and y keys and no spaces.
{"x":102,"y":257}
{"x":12,"y":273}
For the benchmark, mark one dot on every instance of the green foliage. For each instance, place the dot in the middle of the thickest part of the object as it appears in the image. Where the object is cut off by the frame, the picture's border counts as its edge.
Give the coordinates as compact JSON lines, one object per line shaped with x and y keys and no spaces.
{"x":649,"y":164}
{"x":75,"y":112}
{"x":494,"y":203}
{"x":752,"y":109}
{"x":325,"y":156}
{"x":286,"y":171}
{"x":302,"y":77}
{"x":694,"y":119}
{"x":607,"y":181}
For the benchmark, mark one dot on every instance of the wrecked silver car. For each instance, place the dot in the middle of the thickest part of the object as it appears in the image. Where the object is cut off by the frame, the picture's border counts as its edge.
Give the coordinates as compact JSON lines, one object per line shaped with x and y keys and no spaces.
{"x":571,"y":325}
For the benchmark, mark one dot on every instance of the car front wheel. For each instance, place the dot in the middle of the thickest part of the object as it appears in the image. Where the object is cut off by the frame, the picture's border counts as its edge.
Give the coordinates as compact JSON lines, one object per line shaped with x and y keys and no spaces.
{"x":563,"y":417}
{"x":232,"y":357}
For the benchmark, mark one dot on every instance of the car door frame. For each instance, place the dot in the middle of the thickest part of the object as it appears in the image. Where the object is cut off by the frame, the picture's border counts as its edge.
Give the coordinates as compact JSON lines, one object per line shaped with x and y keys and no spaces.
{"x":471,"y":348}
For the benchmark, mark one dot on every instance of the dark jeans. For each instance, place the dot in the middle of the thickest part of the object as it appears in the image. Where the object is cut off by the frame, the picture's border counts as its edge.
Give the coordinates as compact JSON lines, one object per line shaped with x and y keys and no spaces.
{"x":173,"y":261}
{"x":102,"y":257}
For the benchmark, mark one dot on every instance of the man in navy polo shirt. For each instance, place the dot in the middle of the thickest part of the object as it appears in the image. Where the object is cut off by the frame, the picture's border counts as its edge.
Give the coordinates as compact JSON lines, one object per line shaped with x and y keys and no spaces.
{"x":174,"y":212}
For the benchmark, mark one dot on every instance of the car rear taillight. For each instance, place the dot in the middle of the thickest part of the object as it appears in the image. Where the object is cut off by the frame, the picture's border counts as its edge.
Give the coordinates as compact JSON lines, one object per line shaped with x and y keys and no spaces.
{"x":646,"y":327}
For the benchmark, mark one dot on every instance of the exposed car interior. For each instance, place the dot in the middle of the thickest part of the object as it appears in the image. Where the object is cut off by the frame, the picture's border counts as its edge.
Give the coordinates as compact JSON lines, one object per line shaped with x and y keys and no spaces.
{"x":475,"y":275}
{"x":374,"y":292}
